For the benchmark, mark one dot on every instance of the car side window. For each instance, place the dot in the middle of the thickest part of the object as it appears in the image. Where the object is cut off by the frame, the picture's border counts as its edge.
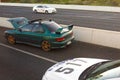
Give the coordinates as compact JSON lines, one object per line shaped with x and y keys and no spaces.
{"x":27,"y":28}
{"x":21,"y":22}
{"x":40,"y":7}
{"x":38,"y":29}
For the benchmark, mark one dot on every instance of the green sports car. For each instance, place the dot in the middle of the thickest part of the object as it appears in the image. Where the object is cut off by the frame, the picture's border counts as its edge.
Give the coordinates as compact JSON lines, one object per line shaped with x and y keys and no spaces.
{"x":46,"y":34}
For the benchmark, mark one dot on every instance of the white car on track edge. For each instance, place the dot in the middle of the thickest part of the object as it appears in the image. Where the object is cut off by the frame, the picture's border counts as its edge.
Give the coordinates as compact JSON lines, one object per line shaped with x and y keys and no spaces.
{"x":44,"y":9}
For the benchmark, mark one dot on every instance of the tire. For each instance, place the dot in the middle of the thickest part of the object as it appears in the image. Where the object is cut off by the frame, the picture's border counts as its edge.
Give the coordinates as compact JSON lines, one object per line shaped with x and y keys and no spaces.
{"x":46,"y":12}
{"x":46,"y":46}
{"x":11,"y":39}
{"x":35,"y":11}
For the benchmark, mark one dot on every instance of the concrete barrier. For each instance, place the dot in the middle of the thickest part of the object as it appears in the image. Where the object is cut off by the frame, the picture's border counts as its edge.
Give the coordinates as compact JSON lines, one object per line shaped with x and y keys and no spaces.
{"x":5,"y":23}
{"x":89,"y":35}
{"x":98,"y":36}
{"x":106,"y":38}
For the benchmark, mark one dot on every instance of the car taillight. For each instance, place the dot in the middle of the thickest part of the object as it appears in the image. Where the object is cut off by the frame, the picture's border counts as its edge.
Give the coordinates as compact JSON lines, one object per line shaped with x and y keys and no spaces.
{"x":60,"y":39}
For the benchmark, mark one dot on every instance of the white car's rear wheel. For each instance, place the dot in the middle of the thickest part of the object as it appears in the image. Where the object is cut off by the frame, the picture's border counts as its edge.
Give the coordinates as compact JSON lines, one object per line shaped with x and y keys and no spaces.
{"x":46,"y":11}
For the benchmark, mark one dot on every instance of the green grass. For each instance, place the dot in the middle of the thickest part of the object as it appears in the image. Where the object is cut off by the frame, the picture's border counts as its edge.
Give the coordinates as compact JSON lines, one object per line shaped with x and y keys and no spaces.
{"x":78,"y":2}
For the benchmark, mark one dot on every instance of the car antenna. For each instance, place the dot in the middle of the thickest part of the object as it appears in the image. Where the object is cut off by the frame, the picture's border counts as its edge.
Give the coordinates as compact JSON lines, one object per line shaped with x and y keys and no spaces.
{"x":39,"y":20}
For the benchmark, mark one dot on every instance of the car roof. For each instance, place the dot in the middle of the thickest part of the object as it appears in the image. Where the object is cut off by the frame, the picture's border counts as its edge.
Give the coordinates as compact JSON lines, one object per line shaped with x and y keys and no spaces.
{"x":41,"y":21}
{"x":43,"y":6}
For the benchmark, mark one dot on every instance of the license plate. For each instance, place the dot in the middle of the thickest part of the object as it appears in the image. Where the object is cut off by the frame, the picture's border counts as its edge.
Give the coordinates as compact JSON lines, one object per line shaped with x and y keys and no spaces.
{"x":68,"y":42}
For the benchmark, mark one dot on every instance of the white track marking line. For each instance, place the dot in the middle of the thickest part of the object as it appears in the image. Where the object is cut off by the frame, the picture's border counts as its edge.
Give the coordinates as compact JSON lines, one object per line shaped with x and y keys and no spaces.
{"x":29,"y":53}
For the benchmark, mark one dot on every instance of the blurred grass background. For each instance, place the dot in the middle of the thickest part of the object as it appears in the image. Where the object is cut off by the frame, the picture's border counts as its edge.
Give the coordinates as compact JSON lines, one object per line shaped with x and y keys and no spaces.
{"x":78,"y":2}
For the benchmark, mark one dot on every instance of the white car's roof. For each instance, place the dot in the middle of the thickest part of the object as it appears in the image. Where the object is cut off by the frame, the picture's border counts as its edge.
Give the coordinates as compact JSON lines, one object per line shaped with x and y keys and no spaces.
{"x":43,"y":6}
{"x":78,"y":65}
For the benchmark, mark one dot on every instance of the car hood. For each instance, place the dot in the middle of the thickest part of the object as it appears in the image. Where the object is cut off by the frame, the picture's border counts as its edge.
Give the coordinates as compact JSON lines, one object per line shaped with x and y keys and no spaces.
{"x":70,"y":69}
{"x":19,"y":21}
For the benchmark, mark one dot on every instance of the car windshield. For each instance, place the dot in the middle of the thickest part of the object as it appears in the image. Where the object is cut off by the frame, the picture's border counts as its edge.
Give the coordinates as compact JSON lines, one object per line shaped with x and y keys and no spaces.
{"x":52,"y":26}
{"x":99,"y":68}
{"x":106,"y":67}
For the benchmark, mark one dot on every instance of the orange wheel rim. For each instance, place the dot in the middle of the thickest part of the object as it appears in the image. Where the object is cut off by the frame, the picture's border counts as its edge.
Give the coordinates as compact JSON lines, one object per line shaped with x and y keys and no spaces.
{"x":11,"y":39}
{"x":45,"y":45}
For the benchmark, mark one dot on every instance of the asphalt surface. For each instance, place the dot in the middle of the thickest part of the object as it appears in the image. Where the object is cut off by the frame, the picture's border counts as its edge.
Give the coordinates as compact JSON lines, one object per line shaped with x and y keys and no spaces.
{"x":91,"y":19}
{"x":15,"y":64}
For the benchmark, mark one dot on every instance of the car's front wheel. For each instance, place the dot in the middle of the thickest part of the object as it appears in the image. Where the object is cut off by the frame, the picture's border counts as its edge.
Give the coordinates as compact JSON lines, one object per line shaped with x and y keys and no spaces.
{"x":35,"y":11}
{"x":11,"y":39}
{"x":45,"y":45}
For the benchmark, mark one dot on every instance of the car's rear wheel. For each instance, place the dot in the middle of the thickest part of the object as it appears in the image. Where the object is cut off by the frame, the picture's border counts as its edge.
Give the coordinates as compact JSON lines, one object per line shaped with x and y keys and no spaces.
{"x":46,"y":12}
{"x":11,"y":39}
{"x":46,"y":46}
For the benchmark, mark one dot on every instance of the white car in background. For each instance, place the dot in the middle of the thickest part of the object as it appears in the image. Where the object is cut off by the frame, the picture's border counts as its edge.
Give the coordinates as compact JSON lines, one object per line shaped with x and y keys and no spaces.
{"x":44,"y":9}
{"x":84,"y":69}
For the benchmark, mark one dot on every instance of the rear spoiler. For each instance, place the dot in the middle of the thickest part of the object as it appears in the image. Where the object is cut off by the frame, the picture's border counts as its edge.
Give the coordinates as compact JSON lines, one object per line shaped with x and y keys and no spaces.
{"x":18,"y":21}
{"x":70,"y":27}
{"x":60,"y":30}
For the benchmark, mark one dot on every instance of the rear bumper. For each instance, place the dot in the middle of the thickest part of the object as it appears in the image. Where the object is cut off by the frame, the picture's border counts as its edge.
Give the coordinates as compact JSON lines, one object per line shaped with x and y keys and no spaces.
{"x":54,"y":11}
{"x":63,"y":43}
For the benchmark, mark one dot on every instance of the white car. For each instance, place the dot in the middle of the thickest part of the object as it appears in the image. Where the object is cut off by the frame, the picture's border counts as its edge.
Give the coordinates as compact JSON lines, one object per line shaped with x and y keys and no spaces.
{"x":44,"y":9}
{"x":84,"y":69}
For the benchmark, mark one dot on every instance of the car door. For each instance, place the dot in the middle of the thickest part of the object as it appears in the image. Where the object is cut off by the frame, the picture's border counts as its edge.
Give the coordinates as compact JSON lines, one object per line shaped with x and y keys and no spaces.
{"x":38,"y":32}
{"x":40,"y":9}
{"x":24,"y":33}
